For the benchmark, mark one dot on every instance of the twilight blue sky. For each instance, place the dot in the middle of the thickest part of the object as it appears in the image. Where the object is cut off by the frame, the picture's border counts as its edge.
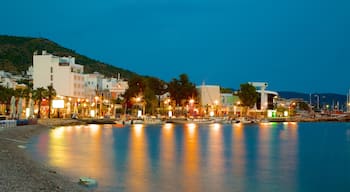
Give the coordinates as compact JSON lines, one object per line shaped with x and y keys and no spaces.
{"x":295,"y":45}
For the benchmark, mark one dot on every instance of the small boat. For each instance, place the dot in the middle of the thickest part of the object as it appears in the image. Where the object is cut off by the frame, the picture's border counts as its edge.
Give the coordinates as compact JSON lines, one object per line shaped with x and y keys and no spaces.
{"x":177,"y":120}
{"x":244,"y":120}
{"x":153,"y":121}
{"x":201,"y":121}
{"x":137,"y":121}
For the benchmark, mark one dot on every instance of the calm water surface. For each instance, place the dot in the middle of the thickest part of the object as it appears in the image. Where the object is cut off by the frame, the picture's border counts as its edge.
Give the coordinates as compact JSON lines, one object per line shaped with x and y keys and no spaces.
{"x":263,"y":157}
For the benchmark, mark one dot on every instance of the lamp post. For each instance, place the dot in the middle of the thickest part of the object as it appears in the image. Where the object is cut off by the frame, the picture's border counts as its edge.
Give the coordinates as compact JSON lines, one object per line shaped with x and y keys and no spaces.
{"x":96,"y":101}
{"x":191,"y":106}
{"x":318,"y":101}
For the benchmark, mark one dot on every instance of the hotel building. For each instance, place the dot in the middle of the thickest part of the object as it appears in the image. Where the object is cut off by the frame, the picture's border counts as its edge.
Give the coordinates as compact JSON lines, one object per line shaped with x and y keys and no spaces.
{"x":62,"y":73}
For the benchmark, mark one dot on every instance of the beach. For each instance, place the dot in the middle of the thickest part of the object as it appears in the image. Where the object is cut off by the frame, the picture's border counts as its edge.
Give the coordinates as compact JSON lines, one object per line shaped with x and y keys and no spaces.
{"x":19,"y":172}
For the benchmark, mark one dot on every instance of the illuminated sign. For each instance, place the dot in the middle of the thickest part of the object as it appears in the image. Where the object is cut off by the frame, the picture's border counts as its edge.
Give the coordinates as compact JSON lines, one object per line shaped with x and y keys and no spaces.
{"x":58,"y":104}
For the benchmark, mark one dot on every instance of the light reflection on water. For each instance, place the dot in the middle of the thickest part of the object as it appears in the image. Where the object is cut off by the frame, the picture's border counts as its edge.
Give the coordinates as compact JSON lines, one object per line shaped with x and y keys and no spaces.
{"x":192,"y":157}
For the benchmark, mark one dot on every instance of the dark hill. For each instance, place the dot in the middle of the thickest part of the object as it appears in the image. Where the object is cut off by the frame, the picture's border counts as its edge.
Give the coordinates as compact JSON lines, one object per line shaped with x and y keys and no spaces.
{"x":16,"y":55}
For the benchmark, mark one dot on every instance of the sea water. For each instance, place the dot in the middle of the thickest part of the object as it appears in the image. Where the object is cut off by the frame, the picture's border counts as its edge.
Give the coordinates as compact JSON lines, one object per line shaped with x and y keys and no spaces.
{"x":190,"y":157}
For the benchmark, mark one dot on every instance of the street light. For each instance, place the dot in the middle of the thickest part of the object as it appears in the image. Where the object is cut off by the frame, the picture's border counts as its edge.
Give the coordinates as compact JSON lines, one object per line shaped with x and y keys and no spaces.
{"x":318,"y":101}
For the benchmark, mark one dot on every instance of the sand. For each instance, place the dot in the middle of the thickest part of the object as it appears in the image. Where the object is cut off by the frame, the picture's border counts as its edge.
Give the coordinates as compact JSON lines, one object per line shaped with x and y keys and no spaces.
{"x":19,"y":172}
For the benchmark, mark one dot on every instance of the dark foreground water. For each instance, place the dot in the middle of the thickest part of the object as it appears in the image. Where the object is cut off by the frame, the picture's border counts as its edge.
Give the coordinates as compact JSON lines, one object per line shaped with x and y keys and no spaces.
{"x":265,"y":157}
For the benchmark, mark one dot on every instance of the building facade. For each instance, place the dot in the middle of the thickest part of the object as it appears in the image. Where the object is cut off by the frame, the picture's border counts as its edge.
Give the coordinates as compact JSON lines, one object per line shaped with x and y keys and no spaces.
{"x":93,"y":85}
{"x":115,"y":86}
{"x":209,"y":95}
{"x":62,"y":73}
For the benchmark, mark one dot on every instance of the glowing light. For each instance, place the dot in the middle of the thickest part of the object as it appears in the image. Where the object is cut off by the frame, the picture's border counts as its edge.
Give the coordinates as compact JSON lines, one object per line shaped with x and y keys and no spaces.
{"x":139,"y":113}
{"x":27,"y":112}
{"x":138,"y":99}
{"x":92,"y":113}
{"x":58,"y":104}
{"x":211,"y":113}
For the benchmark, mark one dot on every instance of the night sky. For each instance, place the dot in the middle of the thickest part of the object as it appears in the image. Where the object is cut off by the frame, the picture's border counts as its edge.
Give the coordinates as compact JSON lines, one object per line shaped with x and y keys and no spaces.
{"x":294,"y":45}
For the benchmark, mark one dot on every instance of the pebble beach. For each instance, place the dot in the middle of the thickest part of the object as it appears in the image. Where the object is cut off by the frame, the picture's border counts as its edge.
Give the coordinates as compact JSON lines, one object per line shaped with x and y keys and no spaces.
{"x":19,"y":172}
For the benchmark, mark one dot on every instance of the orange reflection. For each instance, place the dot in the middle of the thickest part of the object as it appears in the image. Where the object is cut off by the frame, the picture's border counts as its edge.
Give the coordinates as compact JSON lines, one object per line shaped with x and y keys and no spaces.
{"x":138,"y":129}
{"x":238,"y":154}
{"x":63,"y":149}
{"x":265,"y":141}
{"x":191,"y":128}
{"x":191,"y":158}
{"x":137,"y":174}
{"x":216,"y":158}
{"x":167,"y":154}
{"x":265,"y":125}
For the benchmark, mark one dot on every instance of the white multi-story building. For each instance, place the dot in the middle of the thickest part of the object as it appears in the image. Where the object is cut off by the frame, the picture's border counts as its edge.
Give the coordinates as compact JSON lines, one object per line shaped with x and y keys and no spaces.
{"x":62,"y":73}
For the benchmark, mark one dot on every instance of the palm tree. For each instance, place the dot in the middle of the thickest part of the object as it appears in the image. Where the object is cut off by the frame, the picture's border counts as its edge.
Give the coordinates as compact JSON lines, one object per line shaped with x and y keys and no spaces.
{"x":38,"y":95}
{"x":5,"y":96}
{"x":51,"y":92}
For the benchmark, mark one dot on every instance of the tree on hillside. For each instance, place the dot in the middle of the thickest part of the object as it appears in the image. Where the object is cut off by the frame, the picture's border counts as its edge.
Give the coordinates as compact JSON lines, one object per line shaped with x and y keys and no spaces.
{"x":182,"y":89}
{"x":16,"y":55}
{"x":248,"y":95}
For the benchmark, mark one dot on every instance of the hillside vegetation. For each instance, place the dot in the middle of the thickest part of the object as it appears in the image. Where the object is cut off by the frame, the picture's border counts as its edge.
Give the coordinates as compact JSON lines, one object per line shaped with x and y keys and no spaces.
{"x":16,"y":55}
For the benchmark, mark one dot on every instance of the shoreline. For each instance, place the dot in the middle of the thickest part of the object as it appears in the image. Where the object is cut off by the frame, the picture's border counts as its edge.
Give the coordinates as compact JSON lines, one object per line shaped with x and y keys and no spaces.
{"x":20,"y":172}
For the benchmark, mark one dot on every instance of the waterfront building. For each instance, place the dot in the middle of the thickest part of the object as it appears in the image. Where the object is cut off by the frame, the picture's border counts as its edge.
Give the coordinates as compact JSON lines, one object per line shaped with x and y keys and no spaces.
{"x":9,"y":80}
{"x":209,"y":99}
{"x":6,"y":81}
{"x":209,"y":95}
{"x":93,"y":84}
{"x":116,"y":86}
{"x":265,"y":100}
{"x":62,"y":73}
{"x":230,"y":103}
